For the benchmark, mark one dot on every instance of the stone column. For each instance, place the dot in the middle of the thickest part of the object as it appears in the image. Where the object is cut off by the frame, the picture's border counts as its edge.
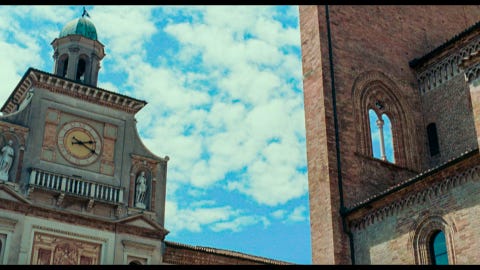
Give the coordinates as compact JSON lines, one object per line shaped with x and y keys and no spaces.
{"x":55,"y":62}
{"x":93,"y":69}
{"x":72,"y":62}
{"x":382,"y":142}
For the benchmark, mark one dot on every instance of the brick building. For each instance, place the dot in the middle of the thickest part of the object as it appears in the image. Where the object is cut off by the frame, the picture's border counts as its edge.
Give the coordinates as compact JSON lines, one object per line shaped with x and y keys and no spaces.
{"x":77,"y":185}
{"x":416,"y":68}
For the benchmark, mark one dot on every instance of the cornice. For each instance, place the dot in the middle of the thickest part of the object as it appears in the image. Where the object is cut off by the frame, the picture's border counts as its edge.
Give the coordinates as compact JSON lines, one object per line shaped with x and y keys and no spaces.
{"x":471,"y":66}
{"x":137,"y":245}
{"x":427,"y":192}
{"x":438,"y":71}
{"x":55,"y":84}
{"x":223,"y":252}
{"x":445,"y":46}
{"x":69,"y":233}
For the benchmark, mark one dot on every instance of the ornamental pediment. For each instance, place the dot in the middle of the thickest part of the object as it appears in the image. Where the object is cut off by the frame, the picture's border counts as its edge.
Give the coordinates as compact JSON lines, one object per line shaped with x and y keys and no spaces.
{"x":7,"y":192}
{"x":141,"y":221}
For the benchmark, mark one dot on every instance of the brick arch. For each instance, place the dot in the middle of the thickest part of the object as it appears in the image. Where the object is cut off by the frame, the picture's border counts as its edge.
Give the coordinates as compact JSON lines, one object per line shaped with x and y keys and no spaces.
{"x":370,"y":87}
{"x":423,"y":231}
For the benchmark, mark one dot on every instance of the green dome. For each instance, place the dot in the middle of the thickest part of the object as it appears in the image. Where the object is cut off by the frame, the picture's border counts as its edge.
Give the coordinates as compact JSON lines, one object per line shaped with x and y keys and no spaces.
{"x":81,"y":26}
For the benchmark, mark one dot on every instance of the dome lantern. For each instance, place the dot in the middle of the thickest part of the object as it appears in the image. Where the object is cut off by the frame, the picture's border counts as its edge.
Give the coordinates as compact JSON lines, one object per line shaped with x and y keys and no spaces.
{"x":78,"y":52}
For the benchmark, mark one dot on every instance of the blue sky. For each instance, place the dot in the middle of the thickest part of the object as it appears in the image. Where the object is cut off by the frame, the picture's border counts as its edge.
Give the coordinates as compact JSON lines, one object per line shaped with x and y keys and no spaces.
{"x":225,"y":103}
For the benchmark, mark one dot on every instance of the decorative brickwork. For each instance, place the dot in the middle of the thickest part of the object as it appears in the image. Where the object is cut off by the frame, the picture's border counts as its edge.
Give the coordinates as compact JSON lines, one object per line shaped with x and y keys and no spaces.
{"x":182,"y":254}
{"x":374,"y":86}
{"x":67,"y":87}
{"x":447,"y":67}
{"x":417,"y":196}
{"x":421,"y":236}
{"x":352,"y":57}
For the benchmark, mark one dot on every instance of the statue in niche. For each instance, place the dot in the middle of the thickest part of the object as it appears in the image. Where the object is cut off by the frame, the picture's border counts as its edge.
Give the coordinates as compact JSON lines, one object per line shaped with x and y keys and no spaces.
{"x":140,"y":190}
{"x":7,"y":154}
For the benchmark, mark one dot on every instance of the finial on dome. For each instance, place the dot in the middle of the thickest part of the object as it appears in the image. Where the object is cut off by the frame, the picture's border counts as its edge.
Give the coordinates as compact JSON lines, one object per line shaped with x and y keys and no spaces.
{"x":85,"y":13}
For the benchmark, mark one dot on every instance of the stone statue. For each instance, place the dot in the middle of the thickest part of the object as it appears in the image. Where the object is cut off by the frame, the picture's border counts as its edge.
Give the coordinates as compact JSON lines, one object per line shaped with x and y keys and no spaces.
{"x":6,"y":160}
{"x":140,"y":190}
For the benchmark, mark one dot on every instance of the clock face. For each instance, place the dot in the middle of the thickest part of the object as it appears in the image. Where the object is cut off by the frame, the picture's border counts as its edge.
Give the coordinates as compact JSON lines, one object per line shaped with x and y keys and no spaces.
{"x":79,"y":143}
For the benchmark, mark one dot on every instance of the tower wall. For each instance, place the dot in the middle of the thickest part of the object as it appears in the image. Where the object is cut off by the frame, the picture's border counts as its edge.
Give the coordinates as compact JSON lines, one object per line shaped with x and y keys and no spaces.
{"x":371,"y":47}
{"x":76,"y":48}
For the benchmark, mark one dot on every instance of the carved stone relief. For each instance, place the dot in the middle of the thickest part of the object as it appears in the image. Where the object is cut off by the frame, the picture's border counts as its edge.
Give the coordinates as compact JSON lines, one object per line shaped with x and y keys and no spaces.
{"x":53,"y":249}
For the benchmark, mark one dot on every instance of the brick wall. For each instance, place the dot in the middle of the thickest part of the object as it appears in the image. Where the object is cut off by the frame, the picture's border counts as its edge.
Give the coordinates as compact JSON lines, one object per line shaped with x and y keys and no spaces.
{"x":451,"y":195}
{"x":385,"y":39}
{"x":449,"y":107}
{"x":380,"y":39}
{"x":328,"y":243}
{"x":181,"y":254}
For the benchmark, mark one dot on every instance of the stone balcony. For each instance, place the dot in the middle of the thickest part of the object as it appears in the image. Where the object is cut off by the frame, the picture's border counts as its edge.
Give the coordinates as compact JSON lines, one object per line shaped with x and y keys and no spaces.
{"x":66,"y":185}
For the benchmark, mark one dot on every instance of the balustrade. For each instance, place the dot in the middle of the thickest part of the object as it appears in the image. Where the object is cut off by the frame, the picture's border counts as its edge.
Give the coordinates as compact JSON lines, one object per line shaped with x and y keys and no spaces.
{"x":76,"y":186}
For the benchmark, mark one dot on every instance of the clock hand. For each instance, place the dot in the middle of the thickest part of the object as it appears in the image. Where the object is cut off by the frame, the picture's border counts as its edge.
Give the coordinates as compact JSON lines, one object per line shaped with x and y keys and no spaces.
{"x":77,"y":141}
{"x":81,"y":142}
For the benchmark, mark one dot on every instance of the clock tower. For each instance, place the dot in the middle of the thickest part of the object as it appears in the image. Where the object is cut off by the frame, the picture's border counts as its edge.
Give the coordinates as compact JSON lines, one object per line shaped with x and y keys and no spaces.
{"x":77,"y":185}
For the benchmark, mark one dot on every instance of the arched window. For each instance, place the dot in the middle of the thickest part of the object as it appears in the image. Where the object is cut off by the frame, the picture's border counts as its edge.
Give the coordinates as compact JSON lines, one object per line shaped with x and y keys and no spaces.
{"x":62,"y":66}
{"x":381,"y":135}
{"x":433,"y":139}
{"x":388,"y":138}
{"x":81,"y":70}
{"x":432,"y":240}
{"x":373,"y":90}
{"x":374,"y":133}
{"x":135,"y":262}
{"x":438,"y":249}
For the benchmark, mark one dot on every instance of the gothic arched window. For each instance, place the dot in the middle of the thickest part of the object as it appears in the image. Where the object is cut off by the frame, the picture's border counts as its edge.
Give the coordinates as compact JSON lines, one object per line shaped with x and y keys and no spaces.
{"x":438,"y":249}
{"x":374,"y":91}
{"x":381,"y":135}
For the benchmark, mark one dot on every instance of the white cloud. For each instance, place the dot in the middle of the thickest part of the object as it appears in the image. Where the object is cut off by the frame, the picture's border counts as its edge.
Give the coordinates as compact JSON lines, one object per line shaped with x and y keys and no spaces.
{"x":278,"y":214}
{"x":238,"y":223}
{"x":272,"y":187}
{"x":108,"y":86}
{"x":15,"y":61}
{"x":244,"y":56}
{"x":21,"y":40}
{"x":55,"y":14}
{"x":125,"y":28}
{"x":194,"y":219}
{"x":237,"y":133}
{"x":300,"y":213}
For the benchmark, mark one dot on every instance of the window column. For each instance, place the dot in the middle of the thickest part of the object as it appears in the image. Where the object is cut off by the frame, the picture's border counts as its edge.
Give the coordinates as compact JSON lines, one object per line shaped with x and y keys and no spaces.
{"x":382,"y":141}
